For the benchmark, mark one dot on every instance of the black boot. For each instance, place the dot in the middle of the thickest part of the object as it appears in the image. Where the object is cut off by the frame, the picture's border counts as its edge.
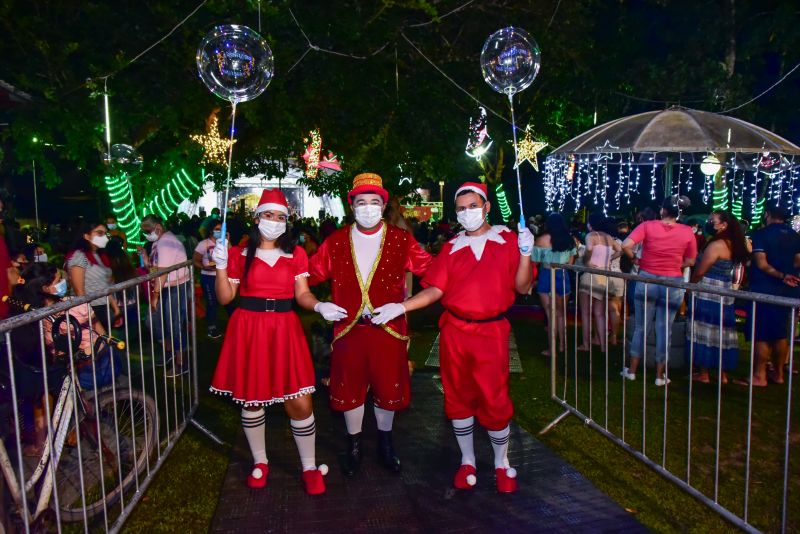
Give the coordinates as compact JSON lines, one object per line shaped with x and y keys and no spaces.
{"x":386,"y":452}
{"x":352,"y":458}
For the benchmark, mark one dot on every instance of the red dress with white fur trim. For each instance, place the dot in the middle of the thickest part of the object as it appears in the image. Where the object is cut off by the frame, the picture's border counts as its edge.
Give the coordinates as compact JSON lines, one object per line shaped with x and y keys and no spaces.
{"x":265,"y":357}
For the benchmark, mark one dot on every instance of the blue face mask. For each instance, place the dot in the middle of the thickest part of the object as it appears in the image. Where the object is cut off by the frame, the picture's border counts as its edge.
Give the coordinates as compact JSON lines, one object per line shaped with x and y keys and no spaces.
{"x":217,"y":234}
{"x":61,"y":288}
{"x":301,"y":238}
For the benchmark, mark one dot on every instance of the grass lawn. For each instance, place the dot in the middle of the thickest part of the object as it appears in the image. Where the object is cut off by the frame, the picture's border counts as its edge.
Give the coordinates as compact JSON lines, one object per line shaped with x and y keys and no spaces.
{"x":184,"y":494}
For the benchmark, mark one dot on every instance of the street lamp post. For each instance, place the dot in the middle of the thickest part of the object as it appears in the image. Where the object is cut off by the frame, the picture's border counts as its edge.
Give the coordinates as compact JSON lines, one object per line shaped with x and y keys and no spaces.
{"x":35,"y":198}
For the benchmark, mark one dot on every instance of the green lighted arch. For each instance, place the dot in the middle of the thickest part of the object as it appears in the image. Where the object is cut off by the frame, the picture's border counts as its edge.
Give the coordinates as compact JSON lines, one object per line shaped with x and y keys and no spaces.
{"x":163,"y":203}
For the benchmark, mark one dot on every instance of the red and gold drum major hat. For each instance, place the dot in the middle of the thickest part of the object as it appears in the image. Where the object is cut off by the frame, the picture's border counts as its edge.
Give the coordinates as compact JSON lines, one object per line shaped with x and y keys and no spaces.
{"x":368,"y":182}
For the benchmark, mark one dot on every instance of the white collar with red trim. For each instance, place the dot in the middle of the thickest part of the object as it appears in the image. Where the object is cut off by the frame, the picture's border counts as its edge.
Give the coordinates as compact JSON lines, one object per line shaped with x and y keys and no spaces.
{"x":478,"y":242}
{"x":269,"y":256}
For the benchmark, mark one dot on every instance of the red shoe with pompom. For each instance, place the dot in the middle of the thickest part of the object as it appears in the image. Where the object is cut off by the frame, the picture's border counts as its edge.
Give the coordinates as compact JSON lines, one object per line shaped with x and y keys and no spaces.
{"x":465,"y":477}
{"x":506,"y":479}
{"x":257,"y":478}
{"x":313,"y":481}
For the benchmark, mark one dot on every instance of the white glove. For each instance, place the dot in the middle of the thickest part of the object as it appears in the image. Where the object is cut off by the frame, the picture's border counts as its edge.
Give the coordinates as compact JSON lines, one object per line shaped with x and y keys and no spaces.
{"x":387,"y":312}
{"x":525,"y":241}
{"x":220,"y":254}
{"x":330,"y":311}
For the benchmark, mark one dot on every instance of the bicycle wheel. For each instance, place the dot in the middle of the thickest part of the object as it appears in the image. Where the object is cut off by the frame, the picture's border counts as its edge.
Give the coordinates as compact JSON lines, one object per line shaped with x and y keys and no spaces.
{"x":137,"y":424}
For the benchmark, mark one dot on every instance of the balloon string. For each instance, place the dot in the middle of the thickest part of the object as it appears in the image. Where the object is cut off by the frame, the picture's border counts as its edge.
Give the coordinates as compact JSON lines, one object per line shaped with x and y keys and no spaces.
{"x":228,"y":179}
{"x":514,"y":131}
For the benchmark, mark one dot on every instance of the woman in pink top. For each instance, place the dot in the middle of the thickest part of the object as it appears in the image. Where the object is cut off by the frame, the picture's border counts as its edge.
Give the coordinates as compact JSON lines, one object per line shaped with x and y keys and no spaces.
{"x":667,"y":248}
{"x":594,"y":289}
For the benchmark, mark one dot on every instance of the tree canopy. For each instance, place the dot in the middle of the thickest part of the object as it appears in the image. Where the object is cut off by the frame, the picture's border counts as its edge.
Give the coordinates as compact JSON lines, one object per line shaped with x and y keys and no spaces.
{"x":373,"y":77}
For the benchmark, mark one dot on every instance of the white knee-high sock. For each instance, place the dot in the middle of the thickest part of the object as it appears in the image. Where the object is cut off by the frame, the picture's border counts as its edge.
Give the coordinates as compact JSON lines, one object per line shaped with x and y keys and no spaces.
{"x":384,"y":419}
{"x":353,"y":419}
{"x":499,"y":439}
{"x":305,"y":434}
{"x":254,"y":424}
{"x":463,"y":429}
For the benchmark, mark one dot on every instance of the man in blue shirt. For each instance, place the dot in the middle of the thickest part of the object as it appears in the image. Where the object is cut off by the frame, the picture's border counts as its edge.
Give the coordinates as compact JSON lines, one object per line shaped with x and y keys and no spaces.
{"x":773,"y":271}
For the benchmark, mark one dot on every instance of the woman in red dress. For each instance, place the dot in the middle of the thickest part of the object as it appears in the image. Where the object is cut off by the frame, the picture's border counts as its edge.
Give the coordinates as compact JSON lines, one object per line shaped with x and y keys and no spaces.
{"x":265,"y":357}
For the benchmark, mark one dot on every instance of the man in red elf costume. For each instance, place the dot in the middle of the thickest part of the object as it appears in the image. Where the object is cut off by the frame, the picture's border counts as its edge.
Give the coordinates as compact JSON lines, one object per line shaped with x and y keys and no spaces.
{"x":476,"y":275}
{"x":366,"y":264}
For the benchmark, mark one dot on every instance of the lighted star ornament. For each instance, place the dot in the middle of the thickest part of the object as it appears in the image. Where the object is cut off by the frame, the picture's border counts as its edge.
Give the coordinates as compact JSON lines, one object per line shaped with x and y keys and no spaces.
{"x":215,"y":148}
{"x":527,"y":150}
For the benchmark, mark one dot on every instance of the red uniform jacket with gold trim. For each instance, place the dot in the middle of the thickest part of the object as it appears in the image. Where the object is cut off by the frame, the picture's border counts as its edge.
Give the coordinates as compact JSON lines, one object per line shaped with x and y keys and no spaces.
{"x":335,"y":261}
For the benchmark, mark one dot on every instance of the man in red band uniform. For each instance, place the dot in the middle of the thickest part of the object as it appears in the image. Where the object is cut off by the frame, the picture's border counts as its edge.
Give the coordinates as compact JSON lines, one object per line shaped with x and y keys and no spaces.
{"x":366,"y":264}
{"x":477,"y":276}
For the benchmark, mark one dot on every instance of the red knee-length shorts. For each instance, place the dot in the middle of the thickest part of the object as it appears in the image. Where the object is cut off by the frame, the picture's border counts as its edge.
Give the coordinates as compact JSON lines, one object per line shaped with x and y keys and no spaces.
{"x":474,"y":366}
{"x":368,"y":357}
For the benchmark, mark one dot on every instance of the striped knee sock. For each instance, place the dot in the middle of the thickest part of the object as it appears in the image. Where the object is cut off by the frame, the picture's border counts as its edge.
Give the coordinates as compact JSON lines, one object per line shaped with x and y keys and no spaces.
{"x":463,"y":429}
{"x":499,"y":439}
{"x":305,"y":434}
{"x":254,"y":424}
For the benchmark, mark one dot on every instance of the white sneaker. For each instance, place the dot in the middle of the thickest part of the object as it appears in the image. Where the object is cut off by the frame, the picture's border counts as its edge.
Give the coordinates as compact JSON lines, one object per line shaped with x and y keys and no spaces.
{"x":662,"y":381}
{"x":627,"y":375}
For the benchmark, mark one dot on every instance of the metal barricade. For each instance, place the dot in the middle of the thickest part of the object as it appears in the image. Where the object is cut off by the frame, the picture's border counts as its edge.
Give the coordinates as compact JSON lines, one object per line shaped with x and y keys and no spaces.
{"x":121,"y":391}
{"x":721,"y":460}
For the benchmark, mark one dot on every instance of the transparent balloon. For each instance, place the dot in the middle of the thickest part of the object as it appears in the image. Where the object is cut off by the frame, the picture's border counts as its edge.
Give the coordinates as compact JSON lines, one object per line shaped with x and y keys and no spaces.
{"x":124,"y":158}
{"x":510,"y":60}
{"x":235,"y":63}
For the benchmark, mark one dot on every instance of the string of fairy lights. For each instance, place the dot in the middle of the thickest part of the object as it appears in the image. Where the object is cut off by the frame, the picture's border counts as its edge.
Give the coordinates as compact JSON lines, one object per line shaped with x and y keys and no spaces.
{"x":610,"y":181}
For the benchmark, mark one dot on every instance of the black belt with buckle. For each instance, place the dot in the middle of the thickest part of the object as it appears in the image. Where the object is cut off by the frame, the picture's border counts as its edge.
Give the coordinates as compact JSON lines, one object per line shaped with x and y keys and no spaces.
{"x":489,"y":320}
{"x":265,"y":305}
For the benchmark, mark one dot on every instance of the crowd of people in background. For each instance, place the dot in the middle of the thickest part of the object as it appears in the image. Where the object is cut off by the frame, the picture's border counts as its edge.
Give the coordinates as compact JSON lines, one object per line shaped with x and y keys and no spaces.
{"x":722,"y":254}
{"x":84,"y":256}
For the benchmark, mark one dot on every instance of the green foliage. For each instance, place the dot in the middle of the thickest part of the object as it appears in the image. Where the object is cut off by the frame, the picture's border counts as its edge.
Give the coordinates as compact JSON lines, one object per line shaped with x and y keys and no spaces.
{"x":389,"y":108}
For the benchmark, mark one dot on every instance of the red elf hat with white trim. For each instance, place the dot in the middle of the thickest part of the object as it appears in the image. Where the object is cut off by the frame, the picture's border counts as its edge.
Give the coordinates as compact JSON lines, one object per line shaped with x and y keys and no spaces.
{"x":272,"y":200}
{"x":477,"y":188}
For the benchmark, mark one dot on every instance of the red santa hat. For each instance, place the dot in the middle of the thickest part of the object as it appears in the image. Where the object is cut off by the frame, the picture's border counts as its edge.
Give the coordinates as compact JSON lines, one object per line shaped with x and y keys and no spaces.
{"x":368,"y":182}
{"x":272,"y":199}
{"x":475,"y":187}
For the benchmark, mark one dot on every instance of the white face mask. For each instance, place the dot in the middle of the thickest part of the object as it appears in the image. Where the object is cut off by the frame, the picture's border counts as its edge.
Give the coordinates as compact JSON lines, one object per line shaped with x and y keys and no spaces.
{"x":471,"y":219}
{"x":271,"y":230}
{"x":369,"y":215}
{"x":111,"y":226}
{"x":41,"y":258}
{"x":152,"y":236}
{"x":100,"y":241}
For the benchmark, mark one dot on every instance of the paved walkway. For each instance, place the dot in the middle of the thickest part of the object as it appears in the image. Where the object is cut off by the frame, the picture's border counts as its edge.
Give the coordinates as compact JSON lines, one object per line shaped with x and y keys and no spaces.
{"x":552,"y":497}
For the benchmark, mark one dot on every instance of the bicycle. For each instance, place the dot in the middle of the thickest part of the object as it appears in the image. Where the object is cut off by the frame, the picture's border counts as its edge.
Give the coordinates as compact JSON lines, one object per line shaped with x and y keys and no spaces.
{"x":99,"y":442}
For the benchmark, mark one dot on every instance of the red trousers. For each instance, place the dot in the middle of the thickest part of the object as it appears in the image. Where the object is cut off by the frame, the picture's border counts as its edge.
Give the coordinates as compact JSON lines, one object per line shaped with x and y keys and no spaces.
{"x":368,"y":357}
{"x":474,"y":365}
